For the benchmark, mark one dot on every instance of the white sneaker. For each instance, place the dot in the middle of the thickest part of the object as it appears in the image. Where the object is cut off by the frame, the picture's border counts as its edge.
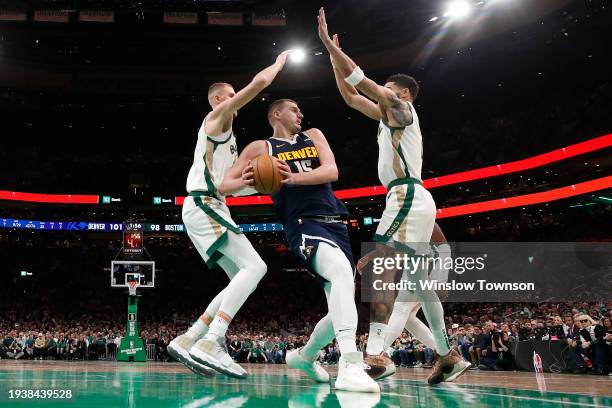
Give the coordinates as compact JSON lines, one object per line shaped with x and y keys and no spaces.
{"x":352,"y":376}
{"x":213,"y":353}
{"x":179,"y":350}
{"x":312,"y":369}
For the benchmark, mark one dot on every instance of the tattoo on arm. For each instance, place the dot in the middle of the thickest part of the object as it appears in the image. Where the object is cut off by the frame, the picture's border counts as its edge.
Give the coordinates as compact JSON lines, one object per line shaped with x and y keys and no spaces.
{"x":401,"y":112}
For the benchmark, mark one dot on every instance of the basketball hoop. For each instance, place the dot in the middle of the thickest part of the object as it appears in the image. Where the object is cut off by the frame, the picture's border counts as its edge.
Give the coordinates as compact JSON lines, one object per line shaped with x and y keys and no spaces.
{"x":132,"y":285}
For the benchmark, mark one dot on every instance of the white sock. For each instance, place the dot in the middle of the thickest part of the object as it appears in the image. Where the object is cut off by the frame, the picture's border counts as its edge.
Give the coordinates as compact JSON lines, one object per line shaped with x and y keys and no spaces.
{"x":218,"y":328}
{"x":420,"y":331}
{"x":435,"y":317}
{"x":434,"y":314}
{"x":197,"y":330}
{"x":331,"y":263}
{"x":397,"y":320}
{"x":321,"y":336}
{"x":376,"y":339}
{"x":346,"y":341}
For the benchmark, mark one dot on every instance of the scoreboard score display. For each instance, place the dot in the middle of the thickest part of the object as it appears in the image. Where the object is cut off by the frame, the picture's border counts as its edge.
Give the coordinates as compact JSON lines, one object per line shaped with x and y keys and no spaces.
{"x":164,"y":228}
{"x":12,"y":223}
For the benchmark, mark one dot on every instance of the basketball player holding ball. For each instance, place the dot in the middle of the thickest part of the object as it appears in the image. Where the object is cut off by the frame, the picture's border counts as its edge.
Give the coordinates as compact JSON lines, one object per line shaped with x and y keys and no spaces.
{"x":214,"y":234}
{"x":312,"y":220}
{"x":410,"y":211}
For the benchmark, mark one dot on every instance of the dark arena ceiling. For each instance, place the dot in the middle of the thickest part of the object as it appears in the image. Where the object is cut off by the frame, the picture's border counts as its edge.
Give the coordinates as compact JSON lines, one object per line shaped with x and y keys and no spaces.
{"x":381,"y":34}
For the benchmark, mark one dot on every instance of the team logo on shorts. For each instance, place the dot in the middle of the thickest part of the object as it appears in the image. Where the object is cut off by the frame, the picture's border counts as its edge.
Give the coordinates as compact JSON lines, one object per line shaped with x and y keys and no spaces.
{"x":308,"y":251}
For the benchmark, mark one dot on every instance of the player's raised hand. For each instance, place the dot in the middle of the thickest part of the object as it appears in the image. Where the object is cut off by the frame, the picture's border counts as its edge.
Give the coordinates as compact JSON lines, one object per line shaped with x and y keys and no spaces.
{"x":282,"y":58}
{"x":323,"y":33}
{"x":336,"y":41}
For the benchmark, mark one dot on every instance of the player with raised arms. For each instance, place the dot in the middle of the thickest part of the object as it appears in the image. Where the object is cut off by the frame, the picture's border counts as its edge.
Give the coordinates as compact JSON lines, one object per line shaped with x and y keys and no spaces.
{"x":409,"y":216}
{"x":214,"y":234}
{"x":312,"y":219}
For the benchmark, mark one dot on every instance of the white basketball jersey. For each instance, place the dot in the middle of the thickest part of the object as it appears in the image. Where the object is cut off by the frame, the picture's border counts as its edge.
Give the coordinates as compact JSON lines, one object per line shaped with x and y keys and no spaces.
{"x":212,"y":158}
{"x":400,"y":151}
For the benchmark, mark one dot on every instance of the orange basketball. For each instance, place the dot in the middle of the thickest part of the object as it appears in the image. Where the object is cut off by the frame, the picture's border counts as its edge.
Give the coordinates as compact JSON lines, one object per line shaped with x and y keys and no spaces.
{"x":266,"y":174}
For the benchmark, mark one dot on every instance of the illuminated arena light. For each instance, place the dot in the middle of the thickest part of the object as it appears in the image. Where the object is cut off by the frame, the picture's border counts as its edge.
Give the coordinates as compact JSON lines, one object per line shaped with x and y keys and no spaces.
{"x":49,"y":198}
{"x":297,"y":55}
{"x":458,"y":9}
{"x":567,"y":152}
{"x":447,"y":212}
{"x":456,"y":178}
{"x":527,"y":199}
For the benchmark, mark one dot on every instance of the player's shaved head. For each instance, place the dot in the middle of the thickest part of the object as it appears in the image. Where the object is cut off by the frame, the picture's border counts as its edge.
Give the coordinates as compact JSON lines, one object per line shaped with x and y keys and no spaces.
{"x":278,"y":105}
{"x":216,"y":89}
{"x":405,"y":81}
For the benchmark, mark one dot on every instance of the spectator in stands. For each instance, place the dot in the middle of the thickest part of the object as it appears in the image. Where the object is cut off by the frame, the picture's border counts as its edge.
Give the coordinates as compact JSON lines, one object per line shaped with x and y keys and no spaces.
{"x":590,"y":343}
{"x":60,"y":350}
{"x":555,"y":329}
{"x":607,"y":324}
{"x":423,"y":355}
{"x":3,"y":348}
{"x":270,"y":350}
{"x":39,"y":347}
{"x":234,"y":347}
{"x":50,"y":346}
{"x":256,"y":354}
{"x":81,"y":348}
{"x":15,"y":350}
{"x":282,"y":348}
{"x":29,"y":348}
{"x":570,"y":328}
{"x":498,"y":356}
{"x":72,"y":347}
{"x":474,"y":349}
{"x":332,"y":353}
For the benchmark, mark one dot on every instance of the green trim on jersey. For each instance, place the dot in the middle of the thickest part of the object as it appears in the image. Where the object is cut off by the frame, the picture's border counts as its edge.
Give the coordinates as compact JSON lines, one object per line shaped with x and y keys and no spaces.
{"x":213,"y":214}
{"x":222,"y":142}
{"x":399,"y":151}
{"x":200,"y":193}
{"x":402,"y":181}
{"x":391,"y":128}
{"x":400,"y":217}
{"x":207,"y":177}
{"x":213,"y":251}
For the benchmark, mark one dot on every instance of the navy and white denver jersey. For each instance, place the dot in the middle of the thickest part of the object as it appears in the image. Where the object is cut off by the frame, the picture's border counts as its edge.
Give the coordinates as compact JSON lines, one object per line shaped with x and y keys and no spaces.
{"x":292,"y":201}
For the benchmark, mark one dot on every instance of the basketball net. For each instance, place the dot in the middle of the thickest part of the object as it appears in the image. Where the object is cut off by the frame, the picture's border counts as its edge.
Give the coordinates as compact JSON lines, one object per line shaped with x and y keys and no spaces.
{"x":132,"y":285}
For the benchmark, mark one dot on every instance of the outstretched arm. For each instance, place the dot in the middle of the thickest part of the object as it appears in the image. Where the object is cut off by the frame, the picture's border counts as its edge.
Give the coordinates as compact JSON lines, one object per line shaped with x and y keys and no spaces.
{"x":388,"y":101}
{"x":224,"y":111}
{"x":350,"y":95}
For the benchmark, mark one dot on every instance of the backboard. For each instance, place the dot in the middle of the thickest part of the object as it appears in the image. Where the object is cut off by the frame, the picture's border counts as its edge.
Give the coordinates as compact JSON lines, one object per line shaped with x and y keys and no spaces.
{"x":123,"y":272}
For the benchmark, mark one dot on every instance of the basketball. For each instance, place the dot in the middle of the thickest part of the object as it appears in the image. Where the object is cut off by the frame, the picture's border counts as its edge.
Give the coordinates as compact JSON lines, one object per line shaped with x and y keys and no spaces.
{"x":266,"y":174}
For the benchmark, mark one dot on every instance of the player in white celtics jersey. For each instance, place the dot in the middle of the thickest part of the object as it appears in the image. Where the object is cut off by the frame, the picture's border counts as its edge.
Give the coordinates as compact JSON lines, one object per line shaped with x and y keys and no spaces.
{"x":213,"y":232}
{"x":409,"y":216}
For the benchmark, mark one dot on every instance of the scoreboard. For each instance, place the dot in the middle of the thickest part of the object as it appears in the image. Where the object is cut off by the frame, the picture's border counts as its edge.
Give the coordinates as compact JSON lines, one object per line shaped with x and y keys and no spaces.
{"x":12,"y":223}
